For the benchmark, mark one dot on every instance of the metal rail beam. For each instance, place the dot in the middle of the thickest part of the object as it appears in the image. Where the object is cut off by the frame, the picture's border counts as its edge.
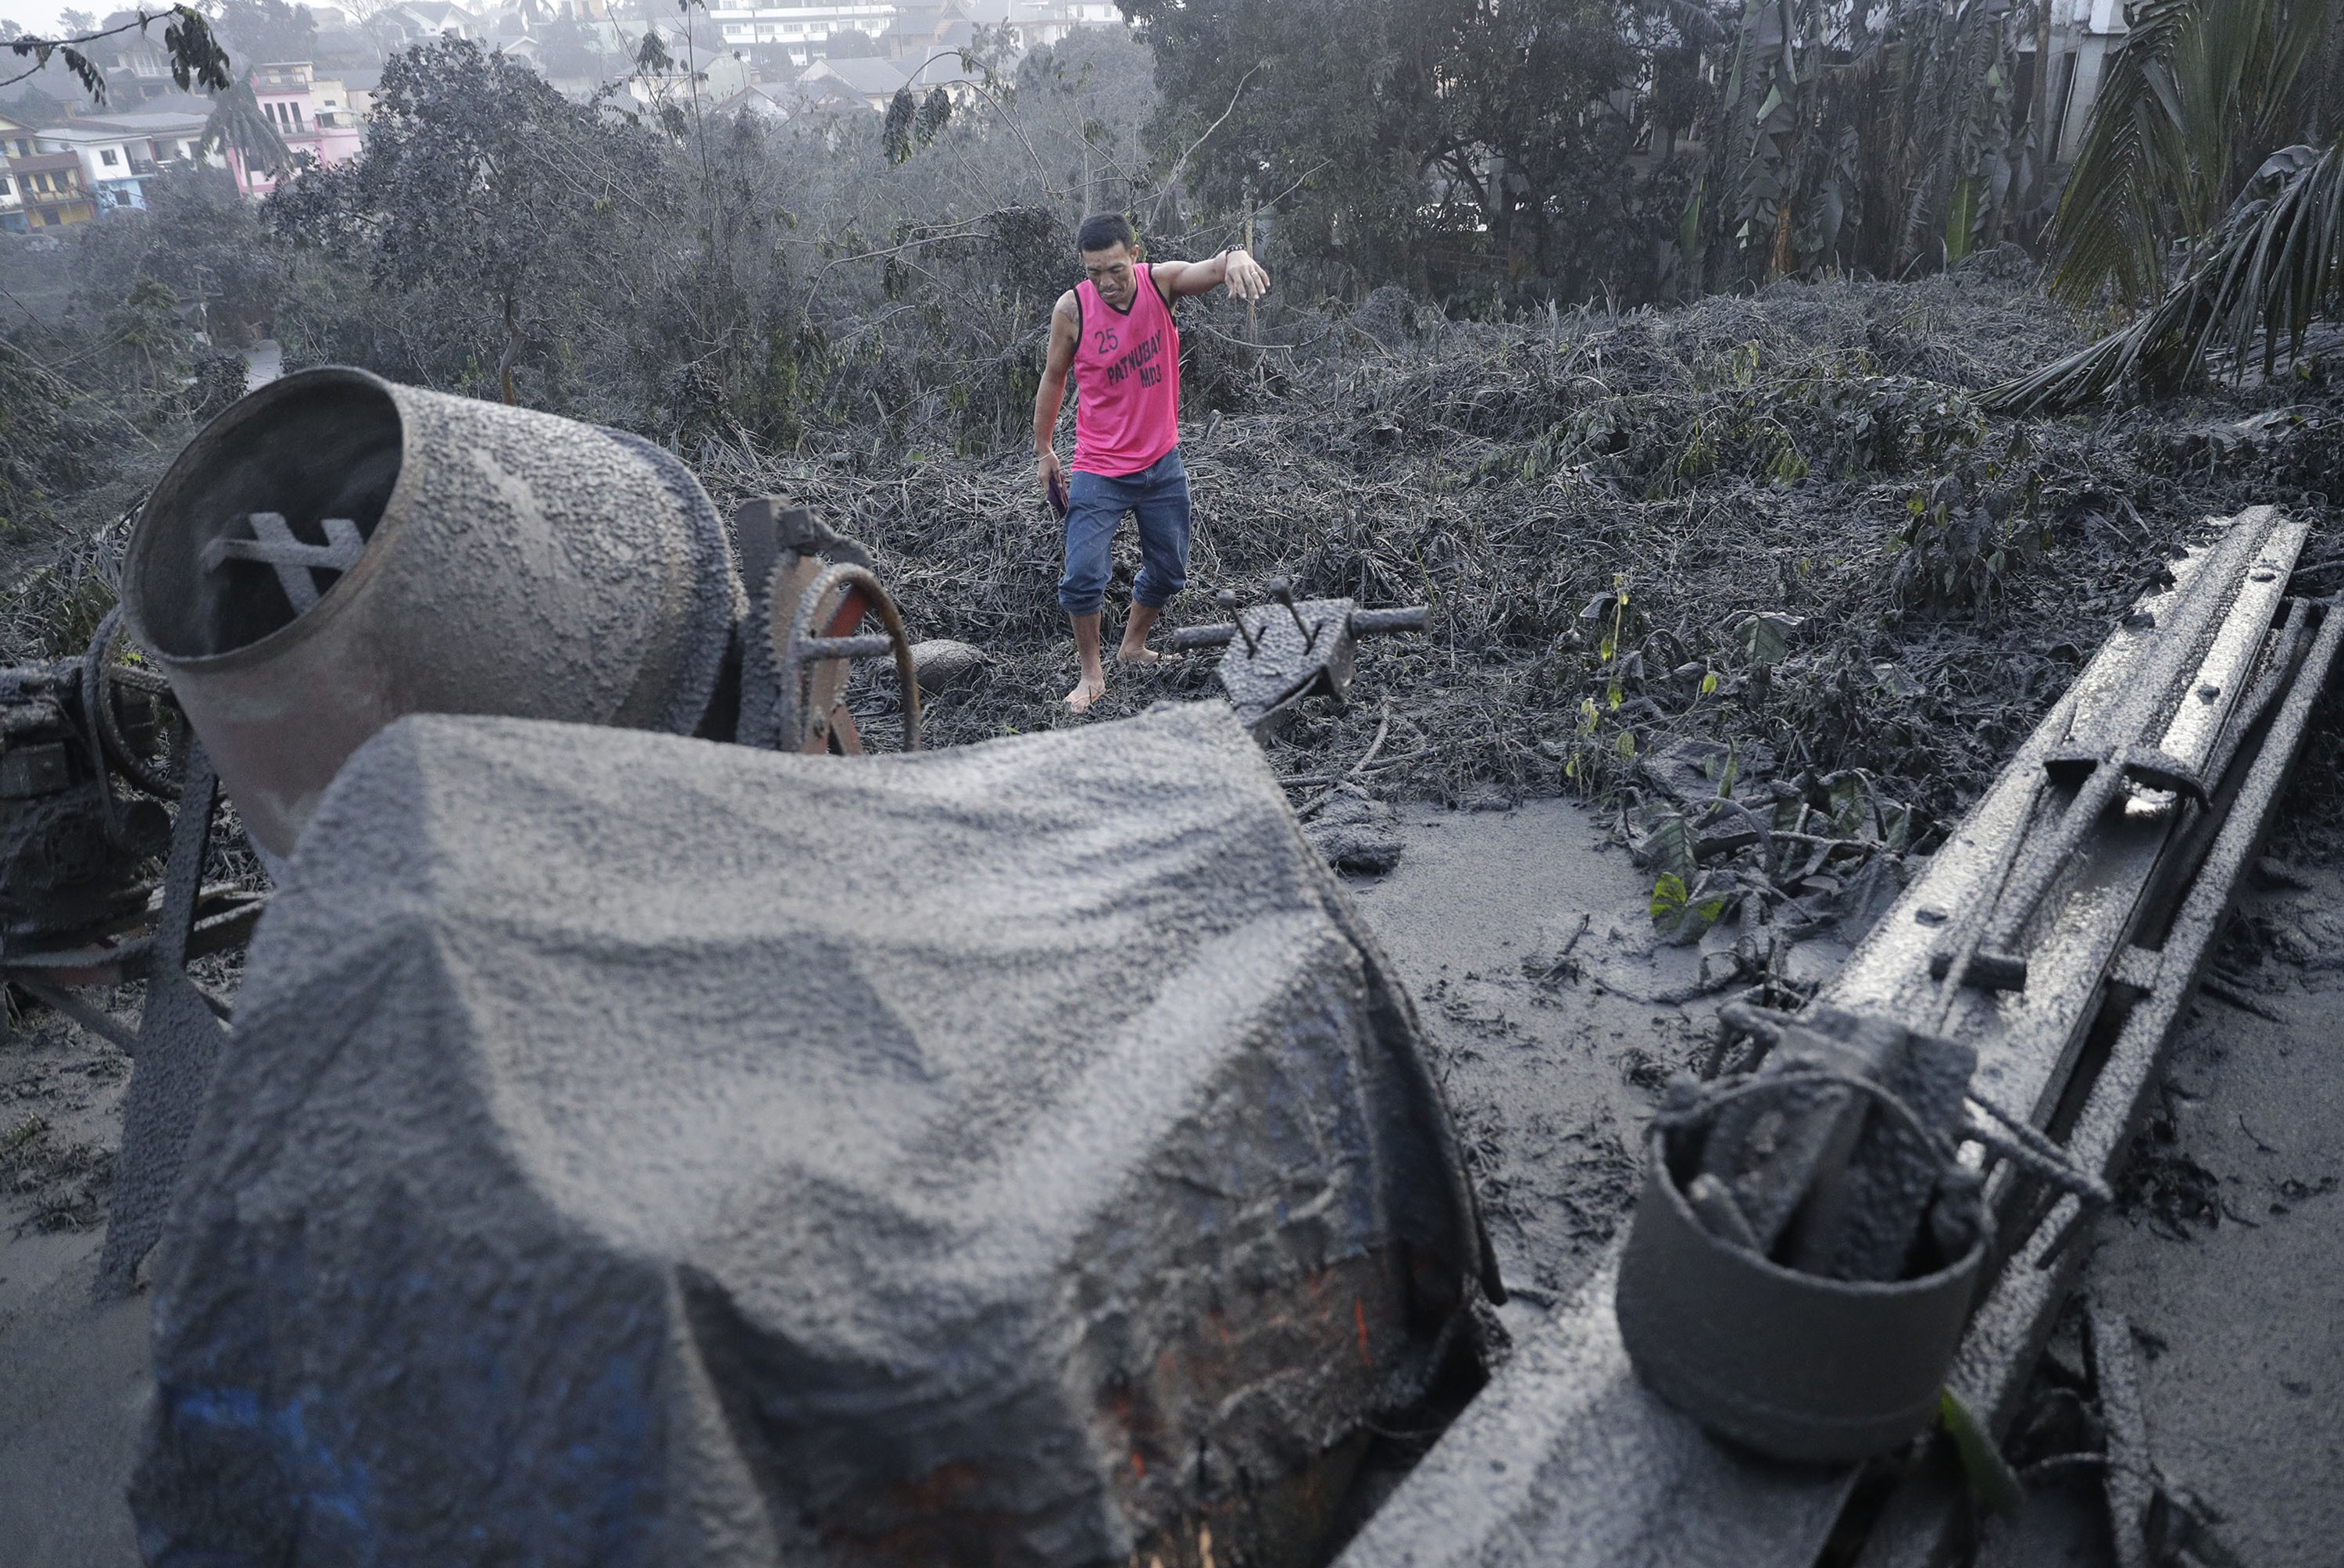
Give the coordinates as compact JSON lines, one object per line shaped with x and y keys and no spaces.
{"x":1916,"y":1530}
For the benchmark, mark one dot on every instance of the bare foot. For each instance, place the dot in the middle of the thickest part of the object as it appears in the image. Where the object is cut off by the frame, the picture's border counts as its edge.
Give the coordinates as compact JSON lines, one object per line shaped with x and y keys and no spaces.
{"x":1086,"y":691}
{"x":1144,"y":656}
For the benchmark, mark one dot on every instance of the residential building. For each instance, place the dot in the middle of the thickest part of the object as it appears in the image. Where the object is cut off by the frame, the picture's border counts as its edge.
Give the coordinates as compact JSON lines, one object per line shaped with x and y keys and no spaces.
{"x":864,"y":79}
{"x":121,"y":152}
{"x":15,"y":141}
{"x":723,"y":79}
{"x":50,"y":191}
{"x":359,"y":88}
{"x":135,"y":65}
{"x":802,"y":32}
{"x":16,"y":137}
{"x":761,"y":102}
{"x":420,"y":20}
{"x":1040,"y":22}
{"x":312,"y":113}
{"x":104,"y":155}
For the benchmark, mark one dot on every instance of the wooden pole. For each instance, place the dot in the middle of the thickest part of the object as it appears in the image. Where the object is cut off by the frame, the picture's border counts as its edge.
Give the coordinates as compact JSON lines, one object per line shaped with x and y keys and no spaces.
{"x":1251,"y":335}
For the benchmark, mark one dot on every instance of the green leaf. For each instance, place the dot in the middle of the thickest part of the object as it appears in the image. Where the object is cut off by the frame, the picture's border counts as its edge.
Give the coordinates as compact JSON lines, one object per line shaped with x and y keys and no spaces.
{"x":1766,"y":639}
{"x":1668,"y":846}
{"x":1709,"y":684}
{"x":1991,"y":1479}
{"x":1668,"y":897}
{"x":1961,"y":218}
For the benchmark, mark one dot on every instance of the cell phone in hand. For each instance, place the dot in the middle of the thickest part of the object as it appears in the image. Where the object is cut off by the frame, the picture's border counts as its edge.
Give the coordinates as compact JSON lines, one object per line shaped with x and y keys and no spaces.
{"x":1056,"y":485}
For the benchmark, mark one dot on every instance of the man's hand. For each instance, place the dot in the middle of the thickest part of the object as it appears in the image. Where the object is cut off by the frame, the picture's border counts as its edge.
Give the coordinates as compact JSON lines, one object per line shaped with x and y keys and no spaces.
{"x":1046,"y":463}
{"x":1247,"y":278}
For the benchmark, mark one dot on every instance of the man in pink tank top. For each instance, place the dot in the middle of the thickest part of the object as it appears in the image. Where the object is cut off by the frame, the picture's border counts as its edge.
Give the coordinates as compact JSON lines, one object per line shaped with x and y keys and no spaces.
{"x":1114,"y":331}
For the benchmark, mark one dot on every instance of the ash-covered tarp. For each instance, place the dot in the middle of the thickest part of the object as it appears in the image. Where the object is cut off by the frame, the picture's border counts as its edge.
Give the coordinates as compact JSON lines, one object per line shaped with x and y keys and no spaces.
{"x":636,"y":1150}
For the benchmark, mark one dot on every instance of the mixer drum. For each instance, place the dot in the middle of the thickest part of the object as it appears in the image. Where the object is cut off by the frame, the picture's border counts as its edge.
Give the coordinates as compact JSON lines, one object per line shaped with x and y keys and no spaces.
{"x":337,"y":550}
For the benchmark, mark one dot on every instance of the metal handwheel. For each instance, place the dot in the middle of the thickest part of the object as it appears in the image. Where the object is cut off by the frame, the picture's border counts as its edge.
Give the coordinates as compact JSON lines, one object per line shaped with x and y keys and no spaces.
{"x":812,"y":652}
{"x":137,"y":750}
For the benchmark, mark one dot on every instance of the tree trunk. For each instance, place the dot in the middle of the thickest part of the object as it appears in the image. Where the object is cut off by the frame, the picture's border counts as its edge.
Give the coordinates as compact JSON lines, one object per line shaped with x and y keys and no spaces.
{"x":512,"y":353}
{"x":2039,"y":111}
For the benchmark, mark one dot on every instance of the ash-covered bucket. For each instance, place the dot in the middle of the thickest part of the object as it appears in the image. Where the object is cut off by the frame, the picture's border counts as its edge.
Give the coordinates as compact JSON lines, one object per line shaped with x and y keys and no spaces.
{"x":1791,"y":1365}
{"x":1807,"y":1247}
{"x":337,"y":550}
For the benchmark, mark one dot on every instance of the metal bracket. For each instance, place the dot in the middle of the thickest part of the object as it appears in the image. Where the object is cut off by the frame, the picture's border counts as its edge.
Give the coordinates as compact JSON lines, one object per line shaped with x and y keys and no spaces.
{"x":1293,"y":650}
{"x":273,"y":544}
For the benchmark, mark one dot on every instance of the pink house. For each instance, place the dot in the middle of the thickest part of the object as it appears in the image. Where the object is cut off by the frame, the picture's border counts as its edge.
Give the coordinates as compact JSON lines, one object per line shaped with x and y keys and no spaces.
{"x":312,"y":113}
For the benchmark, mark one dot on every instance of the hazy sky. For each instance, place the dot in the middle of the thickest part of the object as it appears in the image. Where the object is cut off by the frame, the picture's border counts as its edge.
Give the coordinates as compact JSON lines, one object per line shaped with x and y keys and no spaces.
{"x":43,"y":17}
{"x":38,"y":15}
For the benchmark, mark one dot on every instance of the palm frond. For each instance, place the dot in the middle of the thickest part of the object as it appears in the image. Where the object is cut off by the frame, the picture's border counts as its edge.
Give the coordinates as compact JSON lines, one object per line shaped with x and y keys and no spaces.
{"x":2276,"y":266}
{"x":2110,"y":229}
{"x":236,"y":121}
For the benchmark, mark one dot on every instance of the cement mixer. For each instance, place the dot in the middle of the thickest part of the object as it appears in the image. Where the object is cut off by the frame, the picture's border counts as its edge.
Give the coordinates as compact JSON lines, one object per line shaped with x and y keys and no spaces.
{"x":337,"y":550}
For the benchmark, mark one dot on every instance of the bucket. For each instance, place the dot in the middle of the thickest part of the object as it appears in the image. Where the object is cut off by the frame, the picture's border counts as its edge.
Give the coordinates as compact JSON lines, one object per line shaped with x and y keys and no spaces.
{"x":337,"y":550}
{"x":1793,"y":1366}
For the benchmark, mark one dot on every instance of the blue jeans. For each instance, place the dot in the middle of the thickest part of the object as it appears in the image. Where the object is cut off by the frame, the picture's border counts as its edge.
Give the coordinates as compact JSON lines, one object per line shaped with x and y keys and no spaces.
{"x":1158,"y":496}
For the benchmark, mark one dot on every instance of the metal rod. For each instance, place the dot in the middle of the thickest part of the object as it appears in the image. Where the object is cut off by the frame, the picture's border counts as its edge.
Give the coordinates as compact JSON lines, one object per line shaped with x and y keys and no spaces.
{"x":1407,"y":618}
{"x":870,"y":645}
{"x":96,"y":1020}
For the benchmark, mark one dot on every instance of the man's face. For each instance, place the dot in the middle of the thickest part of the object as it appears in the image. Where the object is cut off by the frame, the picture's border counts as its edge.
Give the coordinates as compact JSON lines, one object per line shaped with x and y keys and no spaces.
{"x":1115,"y":271}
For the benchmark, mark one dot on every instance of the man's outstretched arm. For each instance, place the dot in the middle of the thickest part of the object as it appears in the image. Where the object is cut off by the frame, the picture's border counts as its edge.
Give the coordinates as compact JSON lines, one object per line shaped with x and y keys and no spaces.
{"x":1237,"y":268}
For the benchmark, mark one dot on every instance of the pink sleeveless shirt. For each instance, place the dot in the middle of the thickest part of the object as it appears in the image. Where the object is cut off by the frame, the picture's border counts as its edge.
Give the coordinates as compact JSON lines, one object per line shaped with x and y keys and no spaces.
{"x":1127,"y":381}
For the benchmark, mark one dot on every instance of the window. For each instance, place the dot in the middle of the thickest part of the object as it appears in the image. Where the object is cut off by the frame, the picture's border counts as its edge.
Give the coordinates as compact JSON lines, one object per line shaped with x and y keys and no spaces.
{"x":106,"y":156}
{"x":6,"y":188}
{"x":296,"y":114}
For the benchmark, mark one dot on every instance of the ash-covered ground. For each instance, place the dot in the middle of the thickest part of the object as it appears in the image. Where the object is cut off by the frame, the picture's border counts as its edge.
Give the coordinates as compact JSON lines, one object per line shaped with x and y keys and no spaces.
{"x":1773,"y":535}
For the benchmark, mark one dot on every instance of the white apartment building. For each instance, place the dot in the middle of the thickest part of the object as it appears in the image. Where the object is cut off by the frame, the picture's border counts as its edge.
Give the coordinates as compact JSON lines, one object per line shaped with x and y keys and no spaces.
{"x":795,"y":27}
{"x":1041,"y":22}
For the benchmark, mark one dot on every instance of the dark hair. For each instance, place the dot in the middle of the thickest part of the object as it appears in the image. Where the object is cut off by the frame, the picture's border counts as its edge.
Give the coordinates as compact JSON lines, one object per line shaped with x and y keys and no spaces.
{"x":1105,"y":231}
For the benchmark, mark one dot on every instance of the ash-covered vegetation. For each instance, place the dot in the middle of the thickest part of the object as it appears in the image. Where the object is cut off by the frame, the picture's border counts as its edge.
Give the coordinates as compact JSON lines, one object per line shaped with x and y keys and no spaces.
{"x":1713,"y":525}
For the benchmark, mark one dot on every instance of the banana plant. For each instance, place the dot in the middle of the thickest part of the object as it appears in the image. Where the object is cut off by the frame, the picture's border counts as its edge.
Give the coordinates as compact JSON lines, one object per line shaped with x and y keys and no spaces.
{"x":1870,"y":136}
